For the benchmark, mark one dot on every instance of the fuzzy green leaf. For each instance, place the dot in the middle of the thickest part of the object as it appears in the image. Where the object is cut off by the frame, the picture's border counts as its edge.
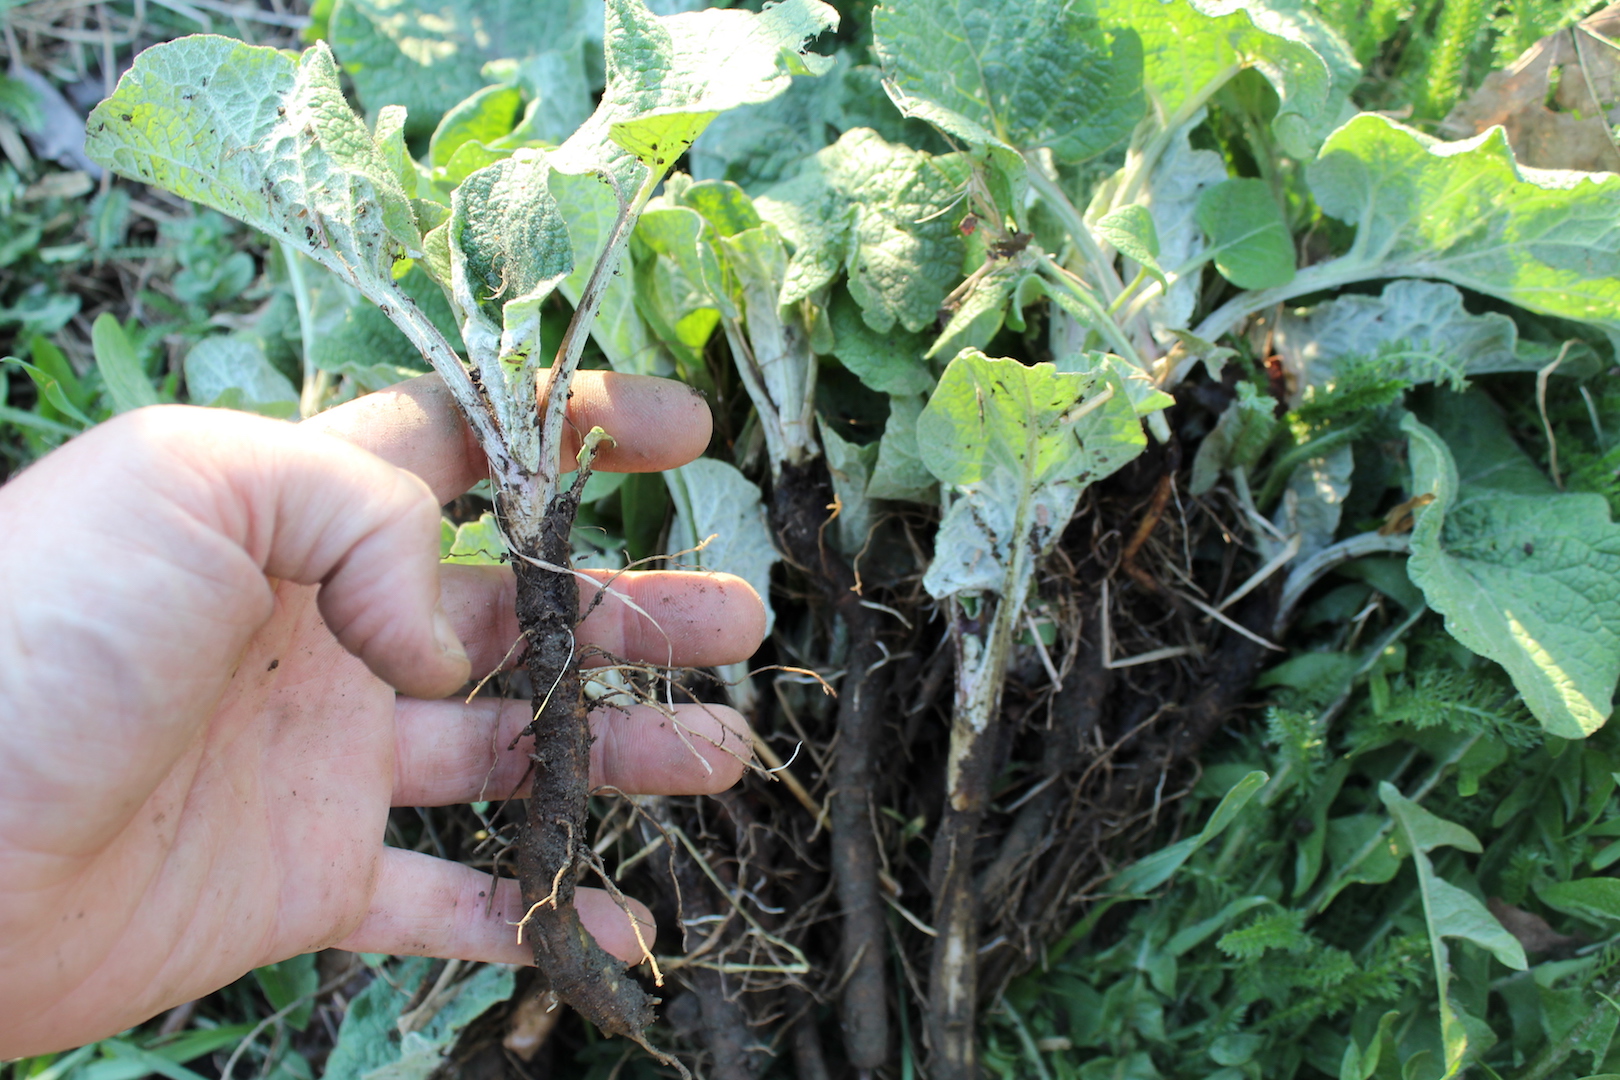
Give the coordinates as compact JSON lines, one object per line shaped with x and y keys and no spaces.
{"x":1239,"y":437}
{"x":850,"y":466}
{"x":1173,"y":192}
{"x":591,"y":209}
{"x":1530,"y":581}
{"x":1466,"y":212}
{"x":900,"y":472}
{"x":217,"y":366}
{"x":486,"y":116}
{"x":668,"y":77}
{"x":509,"y":249}
{"x":1130,"y":229}
{"x":980,"y":314}
{"x":1020,"y":444}
{"x":1042,"y":73}
{"x":875,"y":208}
{"x":1248,"y":237}
{"x":891,"y":362}
{"x":369,"y":1042}
{"x":477,"y":543}
{"x":270,"y":140}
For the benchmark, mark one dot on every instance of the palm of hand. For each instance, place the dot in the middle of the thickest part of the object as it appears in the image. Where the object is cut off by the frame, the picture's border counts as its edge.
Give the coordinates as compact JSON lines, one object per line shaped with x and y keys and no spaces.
{"x":211,"y":794}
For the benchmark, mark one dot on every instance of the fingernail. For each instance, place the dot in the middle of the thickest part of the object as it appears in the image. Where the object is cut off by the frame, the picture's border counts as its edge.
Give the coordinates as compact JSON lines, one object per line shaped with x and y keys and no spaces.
{"x":445,"y":635}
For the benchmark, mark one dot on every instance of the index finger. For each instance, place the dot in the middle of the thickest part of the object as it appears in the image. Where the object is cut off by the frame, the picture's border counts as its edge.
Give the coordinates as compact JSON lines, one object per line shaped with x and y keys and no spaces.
{"x":656,"y":424}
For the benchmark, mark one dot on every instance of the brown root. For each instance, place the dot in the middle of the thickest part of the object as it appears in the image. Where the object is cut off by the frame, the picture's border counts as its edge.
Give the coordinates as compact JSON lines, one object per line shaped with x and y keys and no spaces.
{"x":552,"y":855}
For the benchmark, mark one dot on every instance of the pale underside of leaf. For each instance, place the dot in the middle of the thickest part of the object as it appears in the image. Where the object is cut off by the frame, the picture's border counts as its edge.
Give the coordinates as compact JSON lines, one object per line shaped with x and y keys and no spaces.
{"x":1465,"y":212}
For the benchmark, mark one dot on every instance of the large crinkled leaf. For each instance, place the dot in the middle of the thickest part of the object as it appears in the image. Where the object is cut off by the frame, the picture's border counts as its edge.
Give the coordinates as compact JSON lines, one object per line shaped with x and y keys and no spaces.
{"x":1192,"y":47}
{"x":1415,"y":330}
{"x":1530,"y":581}
{"x":1018,"y":444}
{"x":427,"y":55}
{"x":1466,"y":212}
{"x":1040,"y":73}
{"x":509,"y":249}
{"x":713,"y":499}
{"x":266,"y":138}
{"x":875,"y":209}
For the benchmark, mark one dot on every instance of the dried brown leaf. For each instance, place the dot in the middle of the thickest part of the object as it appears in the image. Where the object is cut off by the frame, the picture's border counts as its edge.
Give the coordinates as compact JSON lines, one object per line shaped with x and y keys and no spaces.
{"x":1556,"y":101}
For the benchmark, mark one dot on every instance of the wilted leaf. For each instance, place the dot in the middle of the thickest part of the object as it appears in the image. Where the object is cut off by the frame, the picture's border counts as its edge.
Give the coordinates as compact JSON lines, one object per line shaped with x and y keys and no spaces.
{"x":900,"y":472}
{"x":1575,"y":134}
{"x":1019,"y":444}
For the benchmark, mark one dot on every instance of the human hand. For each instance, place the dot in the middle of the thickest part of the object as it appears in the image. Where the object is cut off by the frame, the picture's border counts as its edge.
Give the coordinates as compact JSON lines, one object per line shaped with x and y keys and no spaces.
{"x":201,"y":614}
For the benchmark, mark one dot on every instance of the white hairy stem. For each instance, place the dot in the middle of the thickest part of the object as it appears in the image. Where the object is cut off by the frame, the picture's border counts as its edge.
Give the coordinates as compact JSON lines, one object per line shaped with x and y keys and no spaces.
{"x":554,"y":390}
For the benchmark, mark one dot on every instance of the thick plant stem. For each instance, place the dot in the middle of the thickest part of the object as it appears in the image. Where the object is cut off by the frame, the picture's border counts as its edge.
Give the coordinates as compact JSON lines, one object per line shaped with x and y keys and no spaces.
{"x":799,"y":512}
{"x":981,"y":664}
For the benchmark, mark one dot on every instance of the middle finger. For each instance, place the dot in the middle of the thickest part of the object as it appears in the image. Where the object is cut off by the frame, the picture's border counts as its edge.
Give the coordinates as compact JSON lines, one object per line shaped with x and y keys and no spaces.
{"x":685,"y":618}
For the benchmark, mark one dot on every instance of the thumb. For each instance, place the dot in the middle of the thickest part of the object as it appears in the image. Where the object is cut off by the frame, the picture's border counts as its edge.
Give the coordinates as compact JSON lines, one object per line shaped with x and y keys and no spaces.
{"x":317,"y":510}
{"x":368,"y":533}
